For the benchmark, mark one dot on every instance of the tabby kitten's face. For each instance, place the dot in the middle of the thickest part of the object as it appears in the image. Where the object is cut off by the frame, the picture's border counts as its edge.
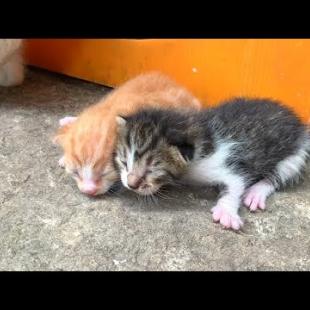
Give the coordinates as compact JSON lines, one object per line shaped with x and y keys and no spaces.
{"x":146,"y":160}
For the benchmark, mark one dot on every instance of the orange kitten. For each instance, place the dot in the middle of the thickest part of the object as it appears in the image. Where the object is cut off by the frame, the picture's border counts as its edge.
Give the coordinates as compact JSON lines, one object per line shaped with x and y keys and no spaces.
{"x":88,"y":140}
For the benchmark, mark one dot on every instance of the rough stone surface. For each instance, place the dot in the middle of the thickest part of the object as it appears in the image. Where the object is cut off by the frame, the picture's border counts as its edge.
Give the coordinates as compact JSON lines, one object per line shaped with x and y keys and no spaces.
{"x":47,"y":224}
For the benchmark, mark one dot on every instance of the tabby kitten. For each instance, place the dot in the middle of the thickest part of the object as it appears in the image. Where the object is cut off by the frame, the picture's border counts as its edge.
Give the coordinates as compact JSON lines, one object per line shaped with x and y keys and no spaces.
{"x":251,"y":146}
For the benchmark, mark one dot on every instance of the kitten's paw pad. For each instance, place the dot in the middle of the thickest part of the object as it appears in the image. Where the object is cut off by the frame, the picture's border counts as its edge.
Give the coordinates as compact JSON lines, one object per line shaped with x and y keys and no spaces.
{"x":226,"y":217}
{"x":67,"y":120}
{"x":255,"y":200}
{"x":61,"y":162}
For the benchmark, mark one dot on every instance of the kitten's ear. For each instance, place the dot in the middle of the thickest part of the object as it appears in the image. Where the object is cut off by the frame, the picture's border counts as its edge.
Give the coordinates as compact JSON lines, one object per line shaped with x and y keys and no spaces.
{"x":186,"y":150}
{"x":121,"y":121}
{"x":67,"y":120}
{"x":64,"y":125}
{"x":177,"y":139}
{"x":58,"y":139}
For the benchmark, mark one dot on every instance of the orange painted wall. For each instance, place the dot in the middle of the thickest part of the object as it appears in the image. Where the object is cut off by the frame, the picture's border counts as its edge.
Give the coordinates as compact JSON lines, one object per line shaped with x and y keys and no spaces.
{"x":213,"y":69}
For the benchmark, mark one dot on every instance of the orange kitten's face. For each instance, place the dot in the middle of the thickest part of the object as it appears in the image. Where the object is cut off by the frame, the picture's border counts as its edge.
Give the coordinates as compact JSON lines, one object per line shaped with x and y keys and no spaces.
{"x":88,"y":147}
{"x":92,"y":180}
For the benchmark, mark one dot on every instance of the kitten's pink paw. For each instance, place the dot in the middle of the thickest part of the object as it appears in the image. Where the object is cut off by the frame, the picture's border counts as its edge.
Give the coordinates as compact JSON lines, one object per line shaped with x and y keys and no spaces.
{"x":67,"y":120}
{"x":255,"y":200}
{"x":61,"y":162}
{"x":256,"y":195}
{"x":228,"y":218}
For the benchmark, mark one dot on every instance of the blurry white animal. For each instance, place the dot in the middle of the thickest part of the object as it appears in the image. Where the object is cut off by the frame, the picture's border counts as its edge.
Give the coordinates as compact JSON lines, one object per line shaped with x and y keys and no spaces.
{"x":11,"y":62}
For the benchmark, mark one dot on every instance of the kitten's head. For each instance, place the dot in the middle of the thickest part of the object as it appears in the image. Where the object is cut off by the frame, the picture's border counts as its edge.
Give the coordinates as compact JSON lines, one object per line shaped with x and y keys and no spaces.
{"x":151,"y":151}
{"x":88,"y":143}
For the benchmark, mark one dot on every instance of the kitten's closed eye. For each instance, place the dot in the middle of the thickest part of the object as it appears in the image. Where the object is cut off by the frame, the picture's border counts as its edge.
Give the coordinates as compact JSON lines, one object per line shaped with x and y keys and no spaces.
{"x":186,"y":150}
{"x":76,"y":173}
{"x":106,"y":173}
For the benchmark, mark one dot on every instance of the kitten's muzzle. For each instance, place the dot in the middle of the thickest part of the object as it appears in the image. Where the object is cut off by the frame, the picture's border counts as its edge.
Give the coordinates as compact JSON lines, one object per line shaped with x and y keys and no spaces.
{"x":134,"y":181}
{"x":90,"y":191}
{"x":89,"y":188}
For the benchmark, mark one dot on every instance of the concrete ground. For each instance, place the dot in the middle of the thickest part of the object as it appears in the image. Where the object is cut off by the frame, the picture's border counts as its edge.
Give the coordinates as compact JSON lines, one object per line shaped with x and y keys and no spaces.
{"x":47,"y":224}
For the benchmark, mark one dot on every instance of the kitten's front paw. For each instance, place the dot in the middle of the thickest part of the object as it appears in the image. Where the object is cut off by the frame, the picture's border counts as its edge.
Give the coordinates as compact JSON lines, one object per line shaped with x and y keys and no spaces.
{"x":227,"y":217}
{"x":67,"y":120}
{"x":61,"y":162}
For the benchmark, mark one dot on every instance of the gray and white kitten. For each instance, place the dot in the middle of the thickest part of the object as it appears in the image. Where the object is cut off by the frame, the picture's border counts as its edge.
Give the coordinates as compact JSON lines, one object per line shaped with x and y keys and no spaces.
{"x":251,"y":146}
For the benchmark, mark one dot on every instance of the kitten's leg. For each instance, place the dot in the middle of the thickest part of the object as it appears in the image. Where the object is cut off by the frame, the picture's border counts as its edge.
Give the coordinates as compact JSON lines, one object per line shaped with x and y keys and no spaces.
{"x":61,"y":162}
{"x":226,"y":209}
{"x":286,"y":171}
{"x":257,"y":194}
{"x":12,"y":72}
{"x":67,"y":120}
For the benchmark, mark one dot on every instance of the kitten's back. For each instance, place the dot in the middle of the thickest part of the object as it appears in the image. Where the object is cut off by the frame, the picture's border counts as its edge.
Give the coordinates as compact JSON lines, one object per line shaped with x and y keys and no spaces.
{"x":246,"y":119}
{"x":150,"y":90}
{"x":265,"y":131}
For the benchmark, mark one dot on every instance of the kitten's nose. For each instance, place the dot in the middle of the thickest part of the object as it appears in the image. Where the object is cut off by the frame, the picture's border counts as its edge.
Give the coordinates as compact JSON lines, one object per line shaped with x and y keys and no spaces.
{"x":133,"y":181}
{"x":89,"y":189}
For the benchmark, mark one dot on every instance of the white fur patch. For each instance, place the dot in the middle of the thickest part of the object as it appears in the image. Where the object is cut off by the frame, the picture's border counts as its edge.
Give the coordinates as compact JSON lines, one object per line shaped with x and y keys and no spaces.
{"x":61,"y":162}
{"x":124,"y":175}
{"x":87,"y":184}
{"x":130,"y":164}
{"x":213,"y":170}
{"x":87,"y":173}
{"x":67,"y":120}
{"x":291,"y":166}
{"x":130,"y":160}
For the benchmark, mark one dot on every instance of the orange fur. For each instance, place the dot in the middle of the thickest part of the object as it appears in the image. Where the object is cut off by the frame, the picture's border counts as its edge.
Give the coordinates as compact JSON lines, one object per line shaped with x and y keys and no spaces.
{"x":89,"y":141}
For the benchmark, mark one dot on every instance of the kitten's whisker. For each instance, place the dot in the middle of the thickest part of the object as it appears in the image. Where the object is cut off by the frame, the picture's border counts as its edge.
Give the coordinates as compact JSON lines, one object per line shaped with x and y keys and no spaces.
{"x":154,"y":199}
{"x":145,"y":200}
{"x":163,"y":196}
{"x":178,"y":185}
{"x":138,"y":198}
